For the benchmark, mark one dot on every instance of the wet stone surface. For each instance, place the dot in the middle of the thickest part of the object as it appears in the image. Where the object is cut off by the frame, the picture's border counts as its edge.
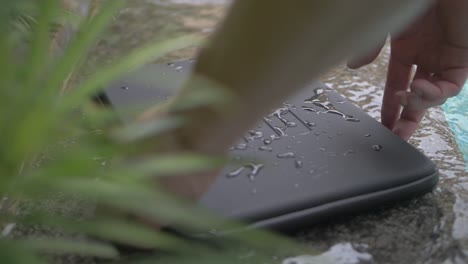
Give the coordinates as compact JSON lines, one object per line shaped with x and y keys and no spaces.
{"x":429,"y":229}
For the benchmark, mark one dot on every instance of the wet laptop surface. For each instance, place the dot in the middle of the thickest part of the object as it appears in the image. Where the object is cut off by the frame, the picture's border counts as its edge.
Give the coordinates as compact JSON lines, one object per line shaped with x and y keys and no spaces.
{"x":315,"y":156}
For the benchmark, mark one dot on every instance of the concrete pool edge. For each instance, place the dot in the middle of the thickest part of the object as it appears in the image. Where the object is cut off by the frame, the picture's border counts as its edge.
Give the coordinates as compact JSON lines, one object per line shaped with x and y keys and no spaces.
{"x":452,"y":122}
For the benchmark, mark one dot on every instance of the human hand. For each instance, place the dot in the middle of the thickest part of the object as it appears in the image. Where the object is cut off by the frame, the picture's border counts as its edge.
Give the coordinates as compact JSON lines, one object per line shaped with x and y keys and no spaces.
{"x":437,"y":44}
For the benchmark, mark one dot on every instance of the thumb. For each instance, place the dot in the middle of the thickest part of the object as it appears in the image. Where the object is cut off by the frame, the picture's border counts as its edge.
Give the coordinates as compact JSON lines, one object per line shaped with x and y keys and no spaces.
{"x":360,"y":60}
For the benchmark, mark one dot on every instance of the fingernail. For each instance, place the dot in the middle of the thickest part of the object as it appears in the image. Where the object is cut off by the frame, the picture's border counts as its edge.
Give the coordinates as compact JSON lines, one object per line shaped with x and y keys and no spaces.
{"x":401,"y":133}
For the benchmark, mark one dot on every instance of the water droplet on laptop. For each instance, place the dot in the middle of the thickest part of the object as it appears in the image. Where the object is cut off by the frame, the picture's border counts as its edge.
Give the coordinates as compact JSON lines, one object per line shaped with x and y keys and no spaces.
{"x":255,"y":134}
{"x":367,"y":135}
{"x":241,"y":146}
{"x":291,"y":124}
{"x":255,"y":169}
{"x":235,"y":172}
{"x":352,"y":119}
{"x":170,"y":64}
{"x":377,"y":147}
{"x":340,"y":102}
{"x":280,"y":131}
{"x":349,"y":151}
{"x":311,"y":171}
{"x":322,"y":149}
{"x":124,"y":87}
{"x":309,"y":109}
{"x":286,"y":155}
{"x":311,"y":124}
{"x":274,"y":137}
{"x":289,"y":147}
{"x":265,"y":148}
{"x":178,"y":68}
{"x":298,"y":164}
{"x":267,"y":141}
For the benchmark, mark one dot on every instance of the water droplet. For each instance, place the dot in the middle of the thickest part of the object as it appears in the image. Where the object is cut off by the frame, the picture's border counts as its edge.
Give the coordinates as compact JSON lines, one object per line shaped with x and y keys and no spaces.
{"x":241,"y":146}
{"x":309,"y":109}
{"x":350,"y":151}
{"x":330,"y":137}
{"x":340,"y":102}
{"x":286,"y":155}
{"x":339,"y":133}
{"x":124,"y":87}
{"x":291,"y":124}
{"x":311,"y":124}
{"x":170,"y":64}
{"x":274,"y":137}
{"x":178,"y":68}
{"x":377,"y":147}
{"x":317,"y":133}
{"x":352,"y":119}
{"x":235,"y":173}
{"x":255,"y":170}
{"x":280,"y":131}
{"x":255,"y":134}
{"x":298,"y":164}
{"x":312,"y":171}
{"x":267,"y":141}
{"x":265,"y":148}
{"x":289,"y":147}
{"x":259,"y":125}
{"x":322,"y":149}
{"x":367,"y":135}
{"x":278,"y":113}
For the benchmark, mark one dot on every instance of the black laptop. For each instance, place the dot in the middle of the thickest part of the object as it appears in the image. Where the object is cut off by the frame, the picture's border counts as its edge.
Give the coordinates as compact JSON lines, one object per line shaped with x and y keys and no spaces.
{"x":315,"y":157}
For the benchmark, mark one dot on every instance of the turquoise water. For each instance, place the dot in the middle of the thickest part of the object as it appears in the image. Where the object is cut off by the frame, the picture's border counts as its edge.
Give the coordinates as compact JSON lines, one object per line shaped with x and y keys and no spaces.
{"x":456,"y":113}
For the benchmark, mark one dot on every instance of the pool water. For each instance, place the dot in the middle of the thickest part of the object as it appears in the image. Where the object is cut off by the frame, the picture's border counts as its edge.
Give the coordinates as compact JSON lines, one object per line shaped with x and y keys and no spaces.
{"x":456,"y":113}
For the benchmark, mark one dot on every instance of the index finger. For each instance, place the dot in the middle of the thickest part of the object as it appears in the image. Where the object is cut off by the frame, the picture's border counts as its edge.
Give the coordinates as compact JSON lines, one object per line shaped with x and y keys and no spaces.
{"x":398,"y":79}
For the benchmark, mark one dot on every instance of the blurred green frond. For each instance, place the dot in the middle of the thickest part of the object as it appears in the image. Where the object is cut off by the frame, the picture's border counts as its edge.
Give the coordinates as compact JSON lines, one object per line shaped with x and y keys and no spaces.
{"x":57,"y":144}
